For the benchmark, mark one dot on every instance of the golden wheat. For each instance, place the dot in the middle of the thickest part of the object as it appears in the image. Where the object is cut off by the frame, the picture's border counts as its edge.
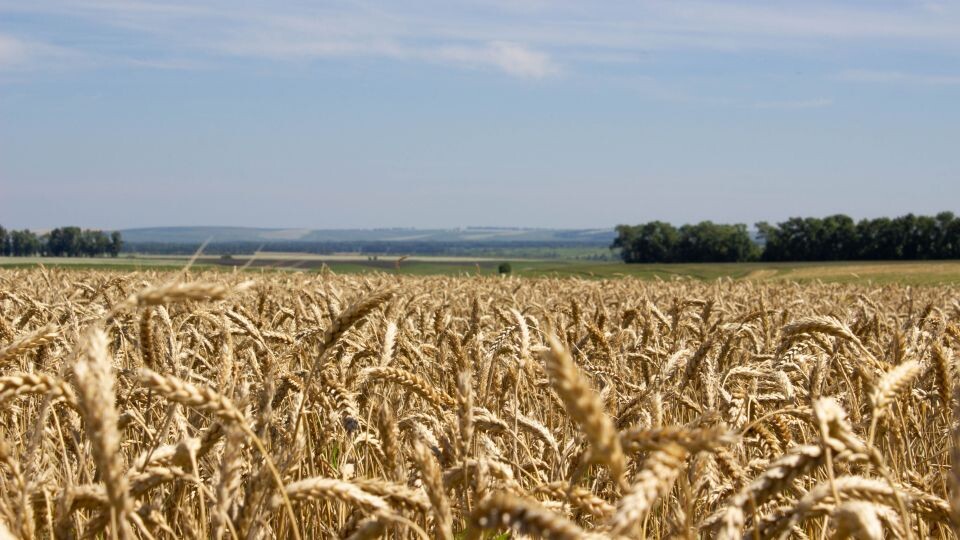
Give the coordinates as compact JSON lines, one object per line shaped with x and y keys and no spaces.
{"x":311,"y":405}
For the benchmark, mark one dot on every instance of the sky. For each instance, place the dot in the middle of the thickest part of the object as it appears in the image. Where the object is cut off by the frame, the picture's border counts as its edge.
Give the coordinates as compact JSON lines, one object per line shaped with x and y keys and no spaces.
{"x":443,"y":113}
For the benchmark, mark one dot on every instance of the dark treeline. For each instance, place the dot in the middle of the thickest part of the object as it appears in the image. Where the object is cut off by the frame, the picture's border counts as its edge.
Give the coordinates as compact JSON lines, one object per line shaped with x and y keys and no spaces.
{"x":704,"y":242}
{"x":838,"y":237}
{"x":60,"y":242}
{"x":833,"y":238}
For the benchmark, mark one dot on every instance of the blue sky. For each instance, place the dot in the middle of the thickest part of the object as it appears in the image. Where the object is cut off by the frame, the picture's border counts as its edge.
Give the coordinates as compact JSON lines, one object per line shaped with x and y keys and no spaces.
{"x":431,"y":113}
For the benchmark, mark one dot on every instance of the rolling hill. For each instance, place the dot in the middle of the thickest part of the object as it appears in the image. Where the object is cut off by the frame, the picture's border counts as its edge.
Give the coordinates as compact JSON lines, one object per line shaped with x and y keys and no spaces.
{"x":466,"y":235}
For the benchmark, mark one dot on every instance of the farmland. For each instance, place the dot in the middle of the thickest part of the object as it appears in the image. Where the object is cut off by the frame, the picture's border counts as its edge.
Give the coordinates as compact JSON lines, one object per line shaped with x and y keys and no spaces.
{"x":225,"y":404}
{"x":883,"y":272}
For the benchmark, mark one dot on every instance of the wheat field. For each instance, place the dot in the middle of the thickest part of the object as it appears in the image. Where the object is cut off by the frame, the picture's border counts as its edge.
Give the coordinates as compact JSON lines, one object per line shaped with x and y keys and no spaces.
{"x":313,"y":405}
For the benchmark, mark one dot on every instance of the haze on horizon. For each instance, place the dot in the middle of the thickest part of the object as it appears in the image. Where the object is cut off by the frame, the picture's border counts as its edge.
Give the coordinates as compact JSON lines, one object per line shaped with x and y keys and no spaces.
{"x":533,"y":113}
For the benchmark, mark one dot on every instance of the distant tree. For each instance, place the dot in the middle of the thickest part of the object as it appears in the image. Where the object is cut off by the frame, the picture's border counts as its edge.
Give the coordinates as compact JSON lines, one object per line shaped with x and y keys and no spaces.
{"x":87,"y":243}
{"x":838,"y":238}
{"x":73,"y":241}
{"x":951,"y":242}
{"x":943,"y":243}
{"x":626,"y":242}
{"x":99,"y":243}
{"x":651,"y":242}
{"x":877,"y":240}
{"x":55,"y":247}
{"x":504,"y":268}
{"x":810,"y":239}
{"x":24,"y":243}
{"x":706,"y":241}
{"x":60,"y":242}
{"x":904,"y":234}
{"x":769,"y":236}
{"x":775,"y":245}
{"x":891,"y":237}
{"x":711,"y":242}
{"x":924,"y":237}
{"x":116,"y":243}
{"x":64,"y":242}
{"x":907,"y":237}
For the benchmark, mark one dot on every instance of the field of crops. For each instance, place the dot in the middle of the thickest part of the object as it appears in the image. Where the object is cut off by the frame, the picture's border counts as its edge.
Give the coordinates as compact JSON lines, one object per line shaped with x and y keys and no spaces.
{"x":312,"y":405}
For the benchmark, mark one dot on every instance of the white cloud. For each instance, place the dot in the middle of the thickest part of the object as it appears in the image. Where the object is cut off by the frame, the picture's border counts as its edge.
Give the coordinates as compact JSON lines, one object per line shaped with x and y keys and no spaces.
{"x":12,"y":51}
{"x":512,"y":58}
{"x":523,"y":38}
{"x":797,"y":104}
{"x":20,"y":54}
{"x":296,"y":33}
{"x":877,"y":76}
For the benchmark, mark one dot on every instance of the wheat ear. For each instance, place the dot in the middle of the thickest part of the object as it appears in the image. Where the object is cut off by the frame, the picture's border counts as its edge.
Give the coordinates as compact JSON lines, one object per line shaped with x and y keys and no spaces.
{"x":584,"y":405}
{"x":502,"y":510}
{"x":660,"y":471}
{"x":95,"y":381}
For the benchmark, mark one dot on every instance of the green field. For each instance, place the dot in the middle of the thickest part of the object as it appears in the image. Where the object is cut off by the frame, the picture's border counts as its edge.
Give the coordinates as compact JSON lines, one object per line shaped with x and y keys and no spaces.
{"x":915,"y":273}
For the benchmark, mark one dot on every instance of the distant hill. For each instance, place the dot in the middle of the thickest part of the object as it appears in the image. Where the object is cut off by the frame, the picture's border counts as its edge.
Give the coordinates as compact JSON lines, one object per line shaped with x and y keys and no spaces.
{"x":467,"y":235}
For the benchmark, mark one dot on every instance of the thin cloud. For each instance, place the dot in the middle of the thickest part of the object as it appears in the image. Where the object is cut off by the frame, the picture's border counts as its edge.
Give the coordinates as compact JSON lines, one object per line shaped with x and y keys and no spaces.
{"x":17,"y":54}
{"x":512,"y":58}
{"x":524,"y":38}
{"x":12,"y":51}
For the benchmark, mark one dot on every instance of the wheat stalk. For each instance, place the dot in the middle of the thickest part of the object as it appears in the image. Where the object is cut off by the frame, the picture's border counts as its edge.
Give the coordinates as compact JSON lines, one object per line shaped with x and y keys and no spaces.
{"x":660,"y":471}
{"x":585,"y":407}
{"x":95,"y":381}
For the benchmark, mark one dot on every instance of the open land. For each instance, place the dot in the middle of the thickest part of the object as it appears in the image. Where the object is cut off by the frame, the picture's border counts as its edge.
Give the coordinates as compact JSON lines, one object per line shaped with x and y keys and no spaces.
{"x":220,"y":404}
{"x":879,"y":272}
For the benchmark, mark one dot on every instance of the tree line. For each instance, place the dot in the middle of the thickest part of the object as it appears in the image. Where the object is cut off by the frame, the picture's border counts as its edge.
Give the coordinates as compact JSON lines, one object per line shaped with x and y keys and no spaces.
{"x":833,"y":238}
{"x":60,"y":242}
